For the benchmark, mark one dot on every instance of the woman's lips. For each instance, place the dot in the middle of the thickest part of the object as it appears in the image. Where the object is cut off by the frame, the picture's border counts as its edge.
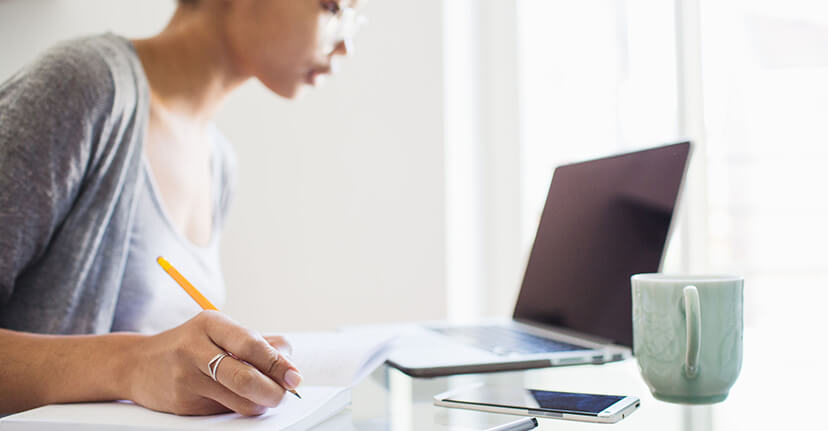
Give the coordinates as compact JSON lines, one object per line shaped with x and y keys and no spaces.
{"x":315,"y":76}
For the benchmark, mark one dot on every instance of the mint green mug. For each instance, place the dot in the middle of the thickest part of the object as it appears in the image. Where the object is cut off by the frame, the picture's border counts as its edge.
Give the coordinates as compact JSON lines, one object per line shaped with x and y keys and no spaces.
{"x":687,"y":335}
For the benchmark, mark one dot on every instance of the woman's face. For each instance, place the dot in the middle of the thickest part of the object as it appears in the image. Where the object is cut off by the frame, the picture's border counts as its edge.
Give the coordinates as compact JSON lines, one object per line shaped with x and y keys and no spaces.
{"x":286,"y":44}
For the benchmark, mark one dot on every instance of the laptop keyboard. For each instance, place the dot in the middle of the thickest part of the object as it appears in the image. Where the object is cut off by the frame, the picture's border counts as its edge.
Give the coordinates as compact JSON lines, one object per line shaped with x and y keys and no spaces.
{"x":505,"y":341}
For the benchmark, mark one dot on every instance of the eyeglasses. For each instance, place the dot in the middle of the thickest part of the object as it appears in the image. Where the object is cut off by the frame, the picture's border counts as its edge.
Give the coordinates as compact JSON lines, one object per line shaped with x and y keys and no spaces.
{"x":342,"y":27}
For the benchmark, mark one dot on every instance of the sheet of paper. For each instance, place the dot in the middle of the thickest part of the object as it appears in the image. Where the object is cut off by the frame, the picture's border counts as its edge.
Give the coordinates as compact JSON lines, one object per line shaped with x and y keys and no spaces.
{"x":339,"y":358}
{"x":318,"y":403}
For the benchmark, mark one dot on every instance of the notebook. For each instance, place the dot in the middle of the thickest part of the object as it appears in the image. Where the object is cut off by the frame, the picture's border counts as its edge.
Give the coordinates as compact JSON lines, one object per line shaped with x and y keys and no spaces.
{"x":604,"y":220}
{"x":331,"y":363}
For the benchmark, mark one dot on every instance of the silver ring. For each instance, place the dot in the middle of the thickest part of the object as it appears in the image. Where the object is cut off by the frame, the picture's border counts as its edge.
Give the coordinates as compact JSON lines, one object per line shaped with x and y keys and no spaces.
{"x":214,"y":363}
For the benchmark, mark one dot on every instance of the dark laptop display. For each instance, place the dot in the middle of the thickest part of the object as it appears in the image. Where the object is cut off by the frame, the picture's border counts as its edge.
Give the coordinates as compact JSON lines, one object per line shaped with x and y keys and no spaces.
{"x":604,"y":220}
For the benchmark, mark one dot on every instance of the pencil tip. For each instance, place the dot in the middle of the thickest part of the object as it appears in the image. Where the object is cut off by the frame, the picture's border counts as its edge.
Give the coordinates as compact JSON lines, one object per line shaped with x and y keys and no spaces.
{"x":297,"y":394}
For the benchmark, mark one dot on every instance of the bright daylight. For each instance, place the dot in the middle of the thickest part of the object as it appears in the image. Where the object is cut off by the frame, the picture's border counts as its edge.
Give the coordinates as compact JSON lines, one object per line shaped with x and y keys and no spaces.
{"x":449,"y":215}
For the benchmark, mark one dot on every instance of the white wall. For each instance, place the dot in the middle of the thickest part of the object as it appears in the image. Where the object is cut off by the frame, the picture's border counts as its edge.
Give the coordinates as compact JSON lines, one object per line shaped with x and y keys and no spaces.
{"x":340,"y":213}
{"x":340,"y":216}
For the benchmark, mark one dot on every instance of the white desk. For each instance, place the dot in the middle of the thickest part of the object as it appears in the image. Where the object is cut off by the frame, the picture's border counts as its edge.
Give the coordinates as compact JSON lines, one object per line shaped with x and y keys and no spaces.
{"x":776,"y":390}
{"x":782,"y":386}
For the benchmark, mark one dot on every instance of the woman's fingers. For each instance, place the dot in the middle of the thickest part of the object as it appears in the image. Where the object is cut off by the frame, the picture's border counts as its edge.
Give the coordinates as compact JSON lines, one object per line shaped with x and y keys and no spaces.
{"x":241,"y":379}
{"x":229,"y":399}
{"x":252,"y":348}
{"x":250,"y":377}
{"x":280,"y":343}
{"x":203,"y":407}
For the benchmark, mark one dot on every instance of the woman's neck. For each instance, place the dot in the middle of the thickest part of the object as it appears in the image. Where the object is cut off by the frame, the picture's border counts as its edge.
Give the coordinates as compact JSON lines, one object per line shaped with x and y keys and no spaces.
{"x":189,"y":68}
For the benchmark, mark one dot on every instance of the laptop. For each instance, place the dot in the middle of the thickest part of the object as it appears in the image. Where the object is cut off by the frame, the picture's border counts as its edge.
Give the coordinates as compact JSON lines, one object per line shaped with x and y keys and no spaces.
{"x":604,"y":220}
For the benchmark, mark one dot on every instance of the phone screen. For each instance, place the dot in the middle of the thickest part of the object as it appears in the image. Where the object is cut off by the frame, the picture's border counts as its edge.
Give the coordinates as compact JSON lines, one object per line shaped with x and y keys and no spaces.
{"x":559,"y":402}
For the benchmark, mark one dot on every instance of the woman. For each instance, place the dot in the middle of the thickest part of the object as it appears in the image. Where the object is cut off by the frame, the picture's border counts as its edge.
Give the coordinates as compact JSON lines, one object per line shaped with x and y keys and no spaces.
{"x":108,"y":158}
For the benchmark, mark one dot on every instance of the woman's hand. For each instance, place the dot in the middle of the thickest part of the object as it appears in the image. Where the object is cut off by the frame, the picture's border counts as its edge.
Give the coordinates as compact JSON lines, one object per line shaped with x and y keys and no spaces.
{"x":280,"y":343}
{"x":170,"y":370}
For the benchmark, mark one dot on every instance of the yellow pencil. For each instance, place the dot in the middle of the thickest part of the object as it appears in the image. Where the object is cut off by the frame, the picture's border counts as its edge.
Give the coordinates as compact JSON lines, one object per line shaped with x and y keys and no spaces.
{"x":194,"y":293}
{"x":186,"y":285}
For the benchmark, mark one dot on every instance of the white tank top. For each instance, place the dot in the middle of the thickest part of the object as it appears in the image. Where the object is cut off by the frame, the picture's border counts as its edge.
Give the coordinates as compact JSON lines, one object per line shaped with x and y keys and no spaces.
{"x":150,"y":301}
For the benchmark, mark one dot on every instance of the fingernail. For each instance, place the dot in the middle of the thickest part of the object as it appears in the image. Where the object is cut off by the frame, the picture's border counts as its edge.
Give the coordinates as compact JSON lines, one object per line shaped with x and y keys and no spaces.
{"x":293,"y":379}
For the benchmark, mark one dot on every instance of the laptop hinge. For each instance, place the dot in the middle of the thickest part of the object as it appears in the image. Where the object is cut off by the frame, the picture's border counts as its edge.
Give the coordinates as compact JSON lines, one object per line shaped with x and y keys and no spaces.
{"x":569,"y":332}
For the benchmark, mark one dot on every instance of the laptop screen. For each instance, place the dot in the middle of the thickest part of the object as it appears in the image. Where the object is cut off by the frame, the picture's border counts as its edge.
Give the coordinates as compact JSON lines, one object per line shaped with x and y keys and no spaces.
{"x":604,"y":220}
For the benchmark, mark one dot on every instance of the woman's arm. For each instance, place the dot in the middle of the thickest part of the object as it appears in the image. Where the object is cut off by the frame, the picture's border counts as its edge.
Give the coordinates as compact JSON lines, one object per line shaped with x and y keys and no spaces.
{"x":45,"y":369}
{"x":165,"y":372}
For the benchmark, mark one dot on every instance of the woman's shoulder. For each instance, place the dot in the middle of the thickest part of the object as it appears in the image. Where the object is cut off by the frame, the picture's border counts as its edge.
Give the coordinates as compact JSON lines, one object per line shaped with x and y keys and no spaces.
{"x":89,"y":72}
{"x":77,"y":102}
{"x":92,"y":68}
{"x":73,"y":97}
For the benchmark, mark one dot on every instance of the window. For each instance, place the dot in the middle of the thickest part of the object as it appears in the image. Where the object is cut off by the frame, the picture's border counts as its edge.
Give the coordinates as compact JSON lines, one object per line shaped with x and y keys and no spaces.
{"x":600,"y":76}
{"x":597,"y":77}
{"x":766,"y":106}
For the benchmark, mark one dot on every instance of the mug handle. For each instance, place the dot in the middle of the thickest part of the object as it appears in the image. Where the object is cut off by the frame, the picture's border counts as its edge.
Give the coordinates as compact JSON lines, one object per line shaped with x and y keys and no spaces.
{"x":692,"y":310}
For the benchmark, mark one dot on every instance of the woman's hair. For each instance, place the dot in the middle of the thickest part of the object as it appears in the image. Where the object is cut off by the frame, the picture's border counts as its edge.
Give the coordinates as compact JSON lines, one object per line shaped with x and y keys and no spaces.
{"x":188,"y":2}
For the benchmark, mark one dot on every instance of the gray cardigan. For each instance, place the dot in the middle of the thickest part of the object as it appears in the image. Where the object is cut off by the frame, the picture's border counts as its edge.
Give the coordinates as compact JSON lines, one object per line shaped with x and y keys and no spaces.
{"x":72,"y":126}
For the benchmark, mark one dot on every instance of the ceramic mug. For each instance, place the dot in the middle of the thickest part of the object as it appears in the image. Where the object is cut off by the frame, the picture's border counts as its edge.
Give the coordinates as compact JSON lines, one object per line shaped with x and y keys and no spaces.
{"x":687,"y":335}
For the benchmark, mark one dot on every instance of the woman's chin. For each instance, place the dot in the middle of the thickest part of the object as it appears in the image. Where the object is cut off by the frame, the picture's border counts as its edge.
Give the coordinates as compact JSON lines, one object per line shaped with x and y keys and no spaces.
{"x":299,"y":88}
{"x":287,"y":91}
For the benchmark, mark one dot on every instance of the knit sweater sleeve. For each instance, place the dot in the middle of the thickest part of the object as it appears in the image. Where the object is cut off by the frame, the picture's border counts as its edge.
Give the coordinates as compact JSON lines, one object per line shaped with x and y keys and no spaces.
{"x":51,"y":115}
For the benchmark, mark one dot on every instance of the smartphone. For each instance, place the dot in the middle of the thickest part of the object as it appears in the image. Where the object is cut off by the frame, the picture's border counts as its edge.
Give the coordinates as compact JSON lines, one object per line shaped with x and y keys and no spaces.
{"x":546,"y":404}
